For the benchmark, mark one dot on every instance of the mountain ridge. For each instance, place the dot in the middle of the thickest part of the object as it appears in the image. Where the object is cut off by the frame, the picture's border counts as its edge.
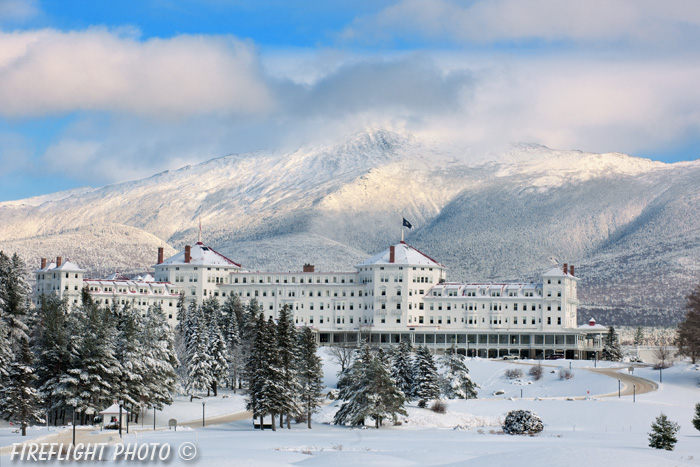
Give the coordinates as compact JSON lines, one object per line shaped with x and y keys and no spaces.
{"x":629,"y":224}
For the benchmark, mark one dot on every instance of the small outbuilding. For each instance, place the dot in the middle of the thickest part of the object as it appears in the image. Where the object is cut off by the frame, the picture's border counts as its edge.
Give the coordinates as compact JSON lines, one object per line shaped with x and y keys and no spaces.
{"x":111,"y":416}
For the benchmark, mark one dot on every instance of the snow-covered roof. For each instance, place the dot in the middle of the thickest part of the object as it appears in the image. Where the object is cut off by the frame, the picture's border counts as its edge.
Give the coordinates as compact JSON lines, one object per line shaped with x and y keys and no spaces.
{"x":47,"y":268}
{"x":69,"y":266}
{"x":201,"y":255}
{"x":404,"y":254}
{"x":558,"y":272}
{"x":114,"y":409}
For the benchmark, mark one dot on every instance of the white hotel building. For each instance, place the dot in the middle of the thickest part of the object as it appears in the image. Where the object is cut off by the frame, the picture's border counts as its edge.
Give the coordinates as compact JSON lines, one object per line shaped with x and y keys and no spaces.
{"x":397,"y":294}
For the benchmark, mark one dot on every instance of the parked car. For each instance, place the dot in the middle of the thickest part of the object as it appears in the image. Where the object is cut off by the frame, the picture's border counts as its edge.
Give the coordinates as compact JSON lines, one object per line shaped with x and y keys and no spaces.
{"x":555,"y":356}
{"x":511,"y":357}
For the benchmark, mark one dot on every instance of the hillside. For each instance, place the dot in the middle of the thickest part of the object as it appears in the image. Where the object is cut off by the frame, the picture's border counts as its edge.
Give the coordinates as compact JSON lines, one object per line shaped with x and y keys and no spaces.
{"x":630,"y":225}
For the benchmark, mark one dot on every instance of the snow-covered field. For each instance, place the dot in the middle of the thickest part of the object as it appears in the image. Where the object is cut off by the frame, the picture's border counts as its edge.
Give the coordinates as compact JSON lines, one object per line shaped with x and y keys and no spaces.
{"x":593,"y":431}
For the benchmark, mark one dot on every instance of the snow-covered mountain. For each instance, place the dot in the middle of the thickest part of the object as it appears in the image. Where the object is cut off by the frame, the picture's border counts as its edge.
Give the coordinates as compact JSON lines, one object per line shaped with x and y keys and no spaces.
{"x":630,"y":225}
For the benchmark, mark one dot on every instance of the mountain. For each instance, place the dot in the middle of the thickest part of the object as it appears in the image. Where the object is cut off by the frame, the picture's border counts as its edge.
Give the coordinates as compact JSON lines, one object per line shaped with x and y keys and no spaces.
{"x":630,"y":225}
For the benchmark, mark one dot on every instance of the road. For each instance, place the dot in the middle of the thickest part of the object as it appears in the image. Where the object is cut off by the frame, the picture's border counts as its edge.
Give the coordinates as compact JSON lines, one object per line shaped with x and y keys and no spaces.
{"x":628,"y":381}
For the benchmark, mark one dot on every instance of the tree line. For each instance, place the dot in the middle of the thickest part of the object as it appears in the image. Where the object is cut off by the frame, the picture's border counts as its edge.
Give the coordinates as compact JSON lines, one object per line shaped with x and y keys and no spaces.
{"x":56,"y":362}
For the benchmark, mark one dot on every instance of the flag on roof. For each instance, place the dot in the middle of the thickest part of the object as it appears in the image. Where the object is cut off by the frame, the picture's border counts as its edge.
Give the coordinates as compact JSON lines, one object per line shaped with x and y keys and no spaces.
{"x":406,"y":223}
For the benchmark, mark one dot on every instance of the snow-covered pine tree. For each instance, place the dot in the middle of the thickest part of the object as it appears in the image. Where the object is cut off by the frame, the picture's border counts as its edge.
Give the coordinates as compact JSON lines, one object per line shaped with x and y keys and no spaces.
{"x":455,"y":381}
{"x":248,"y":330}
{"x":688,"y":331}
{"x":402,"y":368}
{"x":263,"y":370}
{"x":612,"y":350}
{"x":131,"y":356}
{"x":14,"y":296}
{"x":639,"y":336}
{"x":21,"y":399}
{"x":427,"y":385}
{"x":385,"y":399}
{"x":663,"y":433}
{"x":286,"y":350}
{"x":92,"y":380}
{"x":230,"y":311}
{"x":696,"y":418}
{"x":6,"y":357}
{"x":52,"y":350}
{"x":211,"y":311}
{"x":272,"y":398}
{"x":161,"y":360}
{"x":310,"y":374}
{"x":181,"y":312}
{"x":198,"y":358}
{"x":355,"y":390}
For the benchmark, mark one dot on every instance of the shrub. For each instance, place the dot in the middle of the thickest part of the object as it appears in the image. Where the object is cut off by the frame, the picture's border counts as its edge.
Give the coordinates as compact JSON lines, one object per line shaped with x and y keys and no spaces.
{"x":514,"y":373}
{"x":565,"y":373}
{"x":696,"y":419}
{"x":536,"y":372}
{"x":663,"y":433}
{"x":439,"y":406}
{"x":522,"y":422}
{"x":300,"y":418}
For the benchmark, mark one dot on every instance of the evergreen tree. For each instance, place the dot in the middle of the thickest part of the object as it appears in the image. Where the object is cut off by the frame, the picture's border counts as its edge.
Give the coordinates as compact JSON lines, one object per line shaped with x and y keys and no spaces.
{"x":696,"y":418}
{"x":272,"y":398}
{"x":181,"y":312}
{"x":310,"y":373}
{"x":456,"y":382}
{"x":663,"y":433}
{"x":286,"y":350}
{"x":611,"y":349}
{"x":21,"y":399}
{"x":131,"y":356}
{"x":426,"y":376}
{"x":198,"y":359}
{"x":402,"y":368}
{"x":14,"y":296}
{"x":255,"y":362}
{"x":355,"y":390}
{"x":385,"y":398}
{"x":211,"y":311}
{"x":688,"y":332}
{"x":52,"y":348}
{"x":93,"y":376}
{"x":230,"y":312}
{"x":248,"y":326}
{"x":160,"y":358}
{"x":639,"y":336}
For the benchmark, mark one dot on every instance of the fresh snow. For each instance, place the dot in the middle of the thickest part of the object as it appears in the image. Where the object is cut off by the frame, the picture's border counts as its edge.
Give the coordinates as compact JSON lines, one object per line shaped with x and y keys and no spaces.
{"x":594,"y":431}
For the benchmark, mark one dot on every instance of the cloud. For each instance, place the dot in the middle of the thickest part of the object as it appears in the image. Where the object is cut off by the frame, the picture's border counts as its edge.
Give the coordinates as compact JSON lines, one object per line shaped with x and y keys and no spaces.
{"x":488,"y":21}
{"x":50,"y":72}
{"x":12,"y":11}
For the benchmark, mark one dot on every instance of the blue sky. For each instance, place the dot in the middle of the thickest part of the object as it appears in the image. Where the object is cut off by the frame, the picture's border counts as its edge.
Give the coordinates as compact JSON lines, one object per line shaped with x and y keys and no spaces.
{"x":98,"y":92}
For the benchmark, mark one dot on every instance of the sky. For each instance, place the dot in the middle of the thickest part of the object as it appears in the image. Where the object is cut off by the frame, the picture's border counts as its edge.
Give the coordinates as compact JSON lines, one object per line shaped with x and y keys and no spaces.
{"x":99,"y":92}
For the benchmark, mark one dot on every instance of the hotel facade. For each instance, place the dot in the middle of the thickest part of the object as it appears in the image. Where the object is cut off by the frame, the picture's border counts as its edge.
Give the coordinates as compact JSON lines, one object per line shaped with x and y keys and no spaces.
{"x":398,"y":294}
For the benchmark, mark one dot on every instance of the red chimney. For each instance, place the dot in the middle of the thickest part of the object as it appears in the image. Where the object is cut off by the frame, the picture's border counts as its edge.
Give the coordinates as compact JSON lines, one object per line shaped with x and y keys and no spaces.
{"x":43,"y":263}
{"x":591,"y":322}
{"x":160,"y":255}
{"x":187,"y":254}
{"x":566,"y":268}
{"x":59,"y":260}
{"x":309,"y":267}
{"x":392,"y":253}
{"x":571,"y":270}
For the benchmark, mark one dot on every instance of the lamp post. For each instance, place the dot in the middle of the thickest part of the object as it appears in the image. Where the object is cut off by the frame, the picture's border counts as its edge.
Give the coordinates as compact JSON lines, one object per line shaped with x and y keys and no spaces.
{"x":203,"y":403}
{"x":634,"y":393}
{"x":121,"y":403}
{"x":154,"y":418}
{"x":661,"y":379}
{"x":619,"y":389}
{"x":74,"y":406}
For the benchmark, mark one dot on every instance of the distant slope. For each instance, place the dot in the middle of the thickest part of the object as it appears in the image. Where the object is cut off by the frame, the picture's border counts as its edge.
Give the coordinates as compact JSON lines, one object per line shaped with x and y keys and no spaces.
{"x":630,"y":225}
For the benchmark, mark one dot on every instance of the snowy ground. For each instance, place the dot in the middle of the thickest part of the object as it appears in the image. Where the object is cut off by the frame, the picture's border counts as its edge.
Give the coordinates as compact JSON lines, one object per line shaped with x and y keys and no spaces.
{"x":595,"y":431}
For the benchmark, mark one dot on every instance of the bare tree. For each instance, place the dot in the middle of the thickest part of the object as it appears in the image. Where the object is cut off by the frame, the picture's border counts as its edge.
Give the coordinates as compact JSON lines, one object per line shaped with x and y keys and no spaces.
{"x":342,"y":355}
{"x":663,"y":354}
